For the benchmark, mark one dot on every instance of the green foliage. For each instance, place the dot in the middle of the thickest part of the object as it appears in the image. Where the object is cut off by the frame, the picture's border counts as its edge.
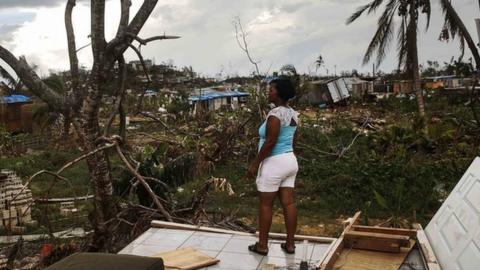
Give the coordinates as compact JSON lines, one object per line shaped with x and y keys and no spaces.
{"x":395,"y":172}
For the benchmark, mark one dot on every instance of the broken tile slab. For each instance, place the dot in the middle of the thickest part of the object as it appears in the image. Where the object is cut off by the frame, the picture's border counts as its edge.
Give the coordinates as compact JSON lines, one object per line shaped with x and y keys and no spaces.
{"x":237,"y":261}
{"x":205,"y":242}
{"x":146,"y":235}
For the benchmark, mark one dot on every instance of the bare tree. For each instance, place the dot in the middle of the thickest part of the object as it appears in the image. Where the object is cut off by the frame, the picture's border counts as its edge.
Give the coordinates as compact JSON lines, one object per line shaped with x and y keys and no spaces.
{"x":241,"y":37}
{"x":83,"y":104}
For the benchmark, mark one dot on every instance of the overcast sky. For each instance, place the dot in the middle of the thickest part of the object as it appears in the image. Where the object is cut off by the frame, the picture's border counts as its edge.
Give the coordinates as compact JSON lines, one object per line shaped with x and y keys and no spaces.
{"x":280,"y":32}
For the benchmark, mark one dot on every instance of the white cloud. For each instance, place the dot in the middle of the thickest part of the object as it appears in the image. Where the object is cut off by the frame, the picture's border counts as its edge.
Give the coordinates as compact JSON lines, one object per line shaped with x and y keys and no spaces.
{"x":280,"y":32}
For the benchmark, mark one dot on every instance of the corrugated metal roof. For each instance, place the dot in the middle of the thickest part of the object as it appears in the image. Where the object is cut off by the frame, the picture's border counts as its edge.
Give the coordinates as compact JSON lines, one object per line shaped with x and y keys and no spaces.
{"x":14,"y":99}
{"x":209,"y":94}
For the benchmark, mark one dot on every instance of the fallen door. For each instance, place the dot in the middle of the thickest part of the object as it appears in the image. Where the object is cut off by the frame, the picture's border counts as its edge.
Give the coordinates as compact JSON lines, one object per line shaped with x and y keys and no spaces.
{"x":454,"y":231}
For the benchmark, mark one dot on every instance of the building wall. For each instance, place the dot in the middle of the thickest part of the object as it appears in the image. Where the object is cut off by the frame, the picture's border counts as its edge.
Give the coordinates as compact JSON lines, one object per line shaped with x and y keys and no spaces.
{"x":16,"y":117}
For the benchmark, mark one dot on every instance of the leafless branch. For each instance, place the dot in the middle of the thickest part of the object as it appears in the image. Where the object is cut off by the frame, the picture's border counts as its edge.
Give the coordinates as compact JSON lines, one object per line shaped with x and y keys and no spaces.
{"x":122,"y":71}
{"x":142,"y":61}
{"x":241,"y":37}
{"x":72,"y":51}
{"x":144,"y":183}
{"x":145,"y":41}
{"x":125,"y":16}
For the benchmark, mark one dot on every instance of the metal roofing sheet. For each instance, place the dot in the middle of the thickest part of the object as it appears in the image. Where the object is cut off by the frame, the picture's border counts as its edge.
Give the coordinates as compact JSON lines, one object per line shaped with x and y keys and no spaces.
{"x":209,"y":94}
{"x":14,"y":99}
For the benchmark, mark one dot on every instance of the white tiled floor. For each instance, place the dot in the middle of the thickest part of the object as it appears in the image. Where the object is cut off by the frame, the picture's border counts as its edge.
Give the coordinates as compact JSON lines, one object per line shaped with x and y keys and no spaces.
{"x":231,"y":250}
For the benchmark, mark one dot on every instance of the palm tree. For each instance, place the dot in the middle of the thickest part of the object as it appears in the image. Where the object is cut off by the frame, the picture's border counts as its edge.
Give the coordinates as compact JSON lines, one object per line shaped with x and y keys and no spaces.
{"x":454,"y":26}
{"x":407,"y":12}
{"x":319,"y":62}
{"x":10,"y":84}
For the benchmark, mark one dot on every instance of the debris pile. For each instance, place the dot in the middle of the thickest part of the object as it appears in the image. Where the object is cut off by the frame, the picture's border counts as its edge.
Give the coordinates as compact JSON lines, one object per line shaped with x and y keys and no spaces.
{"x":15,"y":203}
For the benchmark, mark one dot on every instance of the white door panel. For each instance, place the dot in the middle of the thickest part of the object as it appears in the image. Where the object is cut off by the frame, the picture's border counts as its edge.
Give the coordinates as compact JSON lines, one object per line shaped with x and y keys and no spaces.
{"x":454,"y":231}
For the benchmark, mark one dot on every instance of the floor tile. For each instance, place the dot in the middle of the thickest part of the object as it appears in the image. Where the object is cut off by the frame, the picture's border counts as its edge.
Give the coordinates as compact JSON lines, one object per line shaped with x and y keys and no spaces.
{"x":319,"y":251}
{"x":237,"y":261}
{"x":238,"y":245}
{"x":146,"y":250}
{"x":246,"y":237}
{"x":167,"y":238}
{"x":218,"y":235}
{"x":283,"y":263}
{"x":276,"y":250}
{"x":211,"y":253}
{"x":205,"y":242}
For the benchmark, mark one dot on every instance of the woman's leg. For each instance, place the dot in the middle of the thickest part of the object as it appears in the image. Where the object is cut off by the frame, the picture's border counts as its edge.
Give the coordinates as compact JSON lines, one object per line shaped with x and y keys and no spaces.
{"x":265,"y":218}
{"x":287,"y":198}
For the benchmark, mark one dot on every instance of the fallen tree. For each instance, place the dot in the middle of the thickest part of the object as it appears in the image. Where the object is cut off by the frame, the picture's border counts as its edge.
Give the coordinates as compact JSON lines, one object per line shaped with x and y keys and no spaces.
{"x":81,"y":105}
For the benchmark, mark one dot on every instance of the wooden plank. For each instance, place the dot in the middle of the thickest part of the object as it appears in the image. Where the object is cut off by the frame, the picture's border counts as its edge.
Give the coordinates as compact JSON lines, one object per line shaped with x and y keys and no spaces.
{"x":395,"y":231}
{"x":376,"y":241}
{"x":178,"y":226}
{"x":186,"y":259}
{"x":268,"y":267}
{"x":356,"y":259}
{"x":337,"y":247}
{"x":426,"y":248}
{"x":373,"y":245}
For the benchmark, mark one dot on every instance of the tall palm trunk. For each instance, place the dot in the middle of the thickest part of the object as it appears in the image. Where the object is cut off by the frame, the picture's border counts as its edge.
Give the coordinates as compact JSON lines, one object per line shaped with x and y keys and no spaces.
{"x":412,"y":58}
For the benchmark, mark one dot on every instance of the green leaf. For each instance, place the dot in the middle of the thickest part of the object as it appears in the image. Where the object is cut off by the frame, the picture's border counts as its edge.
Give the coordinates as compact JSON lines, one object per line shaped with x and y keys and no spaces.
{"x":380,"y":200}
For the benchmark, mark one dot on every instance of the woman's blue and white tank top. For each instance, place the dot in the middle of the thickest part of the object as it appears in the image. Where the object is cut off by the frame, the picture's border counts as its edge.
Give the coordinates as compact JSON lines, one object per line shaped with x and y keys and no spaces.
{"x":287,"y":132}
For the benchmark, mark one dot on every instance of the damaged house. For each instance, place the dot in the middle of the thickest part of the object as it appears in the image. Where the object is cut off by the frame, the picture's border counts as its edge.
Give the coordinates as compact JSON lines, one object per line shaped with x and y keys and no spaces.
{"x":209,"y":99}
{"x":327,"y":92}
{"x":13,"y":113}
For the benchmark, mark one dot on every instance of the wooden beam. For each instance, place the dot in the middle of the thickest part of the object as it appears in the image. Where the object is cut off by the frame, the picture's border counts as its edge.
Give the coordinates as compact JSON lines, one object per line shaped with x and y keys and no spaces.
{"x":376,"y":241}
{"x":403,"y":240}
{"x":179,"y":226}
{"x":394,"y":231}
{"x":336,"y":250}
{"x":426,"y":249}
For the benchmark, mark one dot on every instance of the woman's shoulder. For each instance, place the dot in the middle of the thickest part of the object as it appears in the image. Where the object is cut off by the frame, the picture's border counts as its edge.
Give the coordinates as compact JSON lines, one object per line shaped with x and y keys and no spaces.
{"x":284,"y":114}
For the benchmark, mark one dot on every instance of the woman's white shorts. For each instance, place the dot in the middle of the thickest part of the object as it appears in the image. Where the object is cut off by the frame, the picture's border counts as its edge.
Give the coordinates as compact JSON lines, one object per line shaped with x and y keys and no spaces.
{"x":277,"y":171}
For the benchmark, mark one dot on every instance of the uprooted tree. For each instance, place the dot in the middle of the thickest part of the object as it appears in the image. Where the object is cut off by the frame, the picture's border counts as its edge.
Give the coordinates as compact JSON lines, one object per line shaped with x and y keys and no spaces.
{"x":81,"y":105}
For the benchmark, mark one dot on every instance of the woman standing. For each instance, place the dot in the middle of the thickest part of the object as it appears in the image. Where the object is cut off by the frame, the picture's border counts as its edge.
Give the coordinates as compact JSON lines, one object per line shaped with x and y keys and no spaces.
{"x":275,"y":166}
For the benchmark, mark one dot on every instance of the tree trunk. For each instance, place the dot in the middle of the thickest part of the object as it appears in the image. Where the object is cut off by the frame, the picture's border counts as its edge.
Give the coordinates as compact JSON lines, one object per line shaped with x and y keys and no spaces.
{"x":105,"y":207}
{"x":412,"y":65}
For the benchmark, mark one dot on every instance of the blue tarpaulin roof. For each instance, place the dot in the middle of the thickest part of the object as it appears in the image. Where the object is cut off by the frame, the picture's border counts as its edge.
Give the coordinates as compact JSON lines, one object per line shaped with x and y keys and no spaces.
{"x":209,"y":94}
{"x":14,"y":99}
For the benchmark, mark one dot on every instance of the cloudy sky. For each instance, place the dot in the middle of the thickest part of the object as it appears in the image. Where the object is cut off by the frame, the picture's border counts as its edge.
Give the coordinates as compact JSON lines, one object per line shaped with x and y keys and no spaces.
{"x":280,"y":32}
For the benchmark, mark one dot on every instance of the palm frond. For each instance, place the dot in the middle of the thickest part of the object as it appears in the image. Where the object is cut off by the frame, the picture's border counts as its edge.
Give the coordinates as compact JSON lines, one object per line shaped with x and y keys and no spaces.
{"x":8,"y":77}
{"x":402,"y":43}
{"x":374,"y":5}
{"x":56,"y":83}
{"x":358,"y":13}
{"x":462,"y":49}
{"x":428,"y":12}
{"x":383,"y":36}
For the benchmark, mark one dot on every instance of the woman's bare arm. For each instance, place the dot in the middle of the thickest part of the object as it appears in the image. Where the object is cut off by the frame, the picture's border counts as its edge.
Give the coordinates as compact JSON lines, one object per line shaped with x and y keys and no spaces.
{"x":273,"y":130}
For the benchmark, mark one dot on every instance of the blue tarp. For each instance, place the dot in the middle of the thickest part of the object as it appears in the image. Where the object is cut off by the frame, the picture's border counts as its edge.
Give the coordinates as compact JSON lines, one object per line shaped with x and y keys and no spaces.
{"x":14,"y":99}
{"x":210,"y":94}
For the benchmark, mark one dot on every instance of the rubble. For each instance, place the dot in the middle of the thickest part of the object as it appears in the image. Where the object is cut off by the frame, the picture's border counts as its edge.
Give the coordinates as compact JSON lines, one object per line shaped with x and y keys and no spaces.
{"x":15,"y":203}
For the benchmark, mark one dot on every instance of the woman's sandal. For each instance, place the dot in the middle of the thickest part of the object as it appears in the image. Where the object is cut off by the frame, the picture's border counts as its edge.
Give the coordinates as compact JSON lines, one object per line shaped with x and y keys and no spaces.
{"x":286,"y":250}
{"x":254,"y":248}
